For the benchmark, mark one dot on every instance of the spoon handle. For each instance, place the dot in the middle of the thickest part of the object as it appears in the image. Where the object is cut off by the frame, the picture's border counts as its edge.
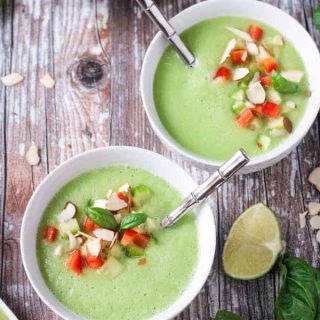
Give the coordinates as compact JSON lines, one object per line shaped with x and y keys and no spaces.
{"x":170,"y":33}
{"x":226,"y":171}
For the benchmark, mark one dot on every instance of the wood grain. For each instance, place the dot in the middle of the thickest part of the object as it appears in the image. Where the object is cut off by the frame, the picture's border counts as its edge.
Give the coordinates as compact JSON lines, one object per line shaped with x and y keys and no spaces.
{"x":95,"y":49}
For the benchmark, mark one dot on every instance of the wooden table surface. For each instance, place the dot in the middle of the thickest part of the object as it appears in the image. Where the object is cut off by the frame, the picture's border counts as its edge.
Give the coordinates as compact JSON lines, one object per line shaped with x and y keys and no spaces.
{"x":94,"y":50}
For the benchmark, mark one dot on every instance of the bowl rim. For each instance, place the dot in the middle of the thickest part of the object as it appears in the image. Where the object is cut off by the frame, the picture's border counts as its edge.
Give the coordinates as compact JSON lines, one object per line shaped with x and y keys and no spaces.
{"x":206,"y":213}
{"x":257,"y":162}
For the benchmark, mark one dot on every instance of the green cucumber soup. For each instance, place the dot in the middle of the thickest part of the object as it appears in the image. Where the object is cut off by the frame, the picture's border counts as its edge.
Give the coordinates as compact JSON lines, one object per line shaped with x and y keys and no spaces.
{"x":3,"y":315}
{"x":146,"y":275}
{"x":211,"y":112}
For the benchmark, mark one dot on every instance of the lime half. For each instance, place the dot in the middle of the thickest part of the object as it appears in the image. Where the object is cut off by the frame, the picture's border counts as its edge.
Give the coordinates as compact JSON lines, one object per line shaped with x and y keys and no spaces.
{"x":253,"y":244}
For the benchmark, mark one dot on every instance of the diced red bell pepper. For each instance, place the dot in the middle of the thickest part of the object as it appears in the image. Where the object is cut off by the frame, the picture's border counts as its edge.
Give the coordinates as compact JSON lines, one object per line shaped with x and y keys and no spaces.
{"x":50,"y":234}
{"x":258,"y":110}
{"x":269,"y":64}
{"x":141,"y":240}
{"x":74,"y":261}
{"x":239,"y":56}
{"x":245,"y":118}
{"x":270,"y":109}
{"x":223,"y":72}
{"x":94,"y":262}
{"x":255,"y":32}
{"x":128,"y":237}
{"x":265,"y":81}
{"x":123,"y":196}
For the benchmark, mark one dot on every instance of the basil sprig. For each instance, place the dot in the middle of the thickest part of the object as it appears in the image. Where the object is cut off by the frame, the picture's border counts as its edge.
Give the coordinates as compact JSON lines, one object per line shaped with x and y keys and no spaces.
{"x":133,"y":220}
{"x":102,"y":217}
{"x":283,"y":85}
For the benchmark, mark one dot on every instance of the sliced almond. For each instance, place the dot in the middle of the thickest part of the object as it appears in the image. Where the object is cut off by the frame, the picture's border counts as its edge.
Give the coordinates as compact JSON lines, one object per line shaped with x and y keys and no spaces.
{"x":290,"y":104}
{"x":292,"y":75}
{"x":314,"y":208}
{"x":32,"y":155}
{"x":58,"y":250}
{"x":240,"y":73}
{"x":114,"y":203}
{"x":302,"y":219}
{"x":230,"y":46}
{"x":80,"y":233}
{"x":241,"y":34}
{"x":124,"y":188}
{"x":244,"y":56}
{"x":252,"y":48}
{"x":47,"y":81}
{"x":318,"y":236}
{"x":118,"y":217}
{"x":277,"y":40}
{"x":277,"y":132}
{"x":12,"y":79}
{"x":256,"y":93}
{"x":100,"y":203}
{"x":114,"y":240}
{"x":73,"y":242}
{"x":109,"y":193}
{"x":249,"y":104}
{"x":315,"y":222}
{"x":83,"y":250}
{"x":255,"y":78}
{"x":274,"y":96}
{"x":94,"y":247}
{"x":104,"y":234}
{"x":68,"y":212}
{"x":263,"y":53}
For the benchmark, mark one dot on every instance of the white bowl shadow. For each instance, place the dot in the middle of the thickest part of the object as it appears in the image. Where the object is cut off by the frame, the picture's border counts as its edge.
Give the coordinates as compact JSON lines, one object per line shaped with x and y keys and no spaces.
{"x":253,"y":9}
{"x":102,"y":157}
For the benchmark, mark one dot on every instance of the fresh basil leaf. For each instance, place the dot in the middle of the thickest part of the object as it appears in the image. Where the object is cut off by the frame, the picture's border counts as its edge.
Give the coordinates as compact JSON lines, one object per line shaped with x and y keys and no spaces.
{"x":316,"y":17}
{"x":102,"y":217}
{"x":299,"y":294}
{"x":132,"y":220}
{"x":227,"y":315}
{"x":281,"y":84}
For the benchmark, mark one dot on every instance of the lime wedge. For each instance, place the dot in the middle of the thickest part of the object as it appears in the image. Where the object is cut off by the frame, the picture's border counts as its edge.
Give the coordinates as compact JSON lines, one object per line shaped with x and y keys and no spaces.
{"x":253,"y":244}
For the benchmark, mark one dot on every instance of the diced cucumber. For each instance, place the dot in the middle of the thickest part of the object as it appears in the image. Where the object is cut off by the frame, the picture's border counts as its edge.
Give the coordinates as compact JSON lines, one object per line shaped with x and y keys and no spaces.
{"x":276,"y":123}
{"x":255,"y":124}
{"x":133,"y":251}
{"x":238,"y":107}
{"x":152,"y":225}
{"x":140,"y":194}
{"x":71,"y":226}
{"x":263,"y":142}
{"x":113,"y":267}
{"x":239,"y":95}
{"x":116,"y":250}
{"x":274,"y":96}
{"x":289,"y":106}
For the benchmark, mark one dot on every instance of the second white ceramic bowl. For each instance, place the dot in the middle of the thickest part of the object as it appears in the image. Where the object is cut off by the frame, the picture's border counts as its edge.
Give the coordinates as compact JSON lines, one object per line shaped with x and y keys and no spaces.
{"x":97,"y":158}
{"x":266,"y":13}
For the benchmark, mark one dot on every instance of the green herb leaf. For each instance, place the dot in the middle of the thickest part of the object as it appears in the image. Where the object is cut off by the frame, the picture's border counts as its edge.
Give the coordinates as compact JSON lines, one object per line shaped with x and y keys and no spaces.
{"x":102,"y":217}
{"x":283,"y":85}
{"x":227,"y":315}
{"x":316,"y":17}
{"x":300,"y":288}
{"x":132,"y":220}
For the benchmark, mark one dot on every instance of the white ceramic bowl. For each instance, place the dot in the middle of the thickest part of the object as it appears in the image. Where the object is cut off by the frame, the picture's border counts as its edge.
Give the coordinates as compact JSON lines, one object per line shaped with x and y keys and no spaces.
{"x":266,"y":13}
{"x":4,"y":308}
{"x":97,"y":158}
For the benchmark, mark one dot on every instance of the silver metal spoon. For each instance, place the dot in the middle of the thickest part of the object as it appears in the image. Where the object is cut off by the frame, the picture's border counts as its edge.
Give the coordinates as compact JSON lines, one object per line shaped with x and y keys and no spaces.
{"x":170,"y":33}
{"x":201,"y":193}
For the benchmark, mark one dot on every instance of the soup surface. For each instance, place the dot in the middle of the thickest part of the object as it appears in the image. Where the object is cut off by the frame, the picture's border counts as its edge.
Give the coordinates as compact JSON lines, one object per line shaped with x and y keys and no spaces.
{"x":197,"y":110}
{"x":139,"y":291}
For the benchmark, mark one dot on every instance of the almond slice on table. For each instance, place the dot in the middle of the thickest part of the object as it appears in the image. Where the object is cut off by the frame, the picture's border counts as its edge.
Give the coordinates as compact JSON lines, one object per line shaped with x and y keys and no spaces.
{"x":314,"y":178}
{"x":114,"y":203}
{"x":315,"y":222}
{"x":32,"y":155}
{"x":252,"y":48}
{"x":230,"y":46}
{"x":68,"y":212}
{"x":47,"y":81}
{"x":104,"y":234}
{"x":94,"y":247}
{"x":302,"y":219}
{"x":292,"y":75}
{"x":314,"y":208}
{"x":256,"y":93}
{"x":241,"y":34}
{"x":240,"y":73}
{"x":100,"y":203}
{"x":12,"y":79}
